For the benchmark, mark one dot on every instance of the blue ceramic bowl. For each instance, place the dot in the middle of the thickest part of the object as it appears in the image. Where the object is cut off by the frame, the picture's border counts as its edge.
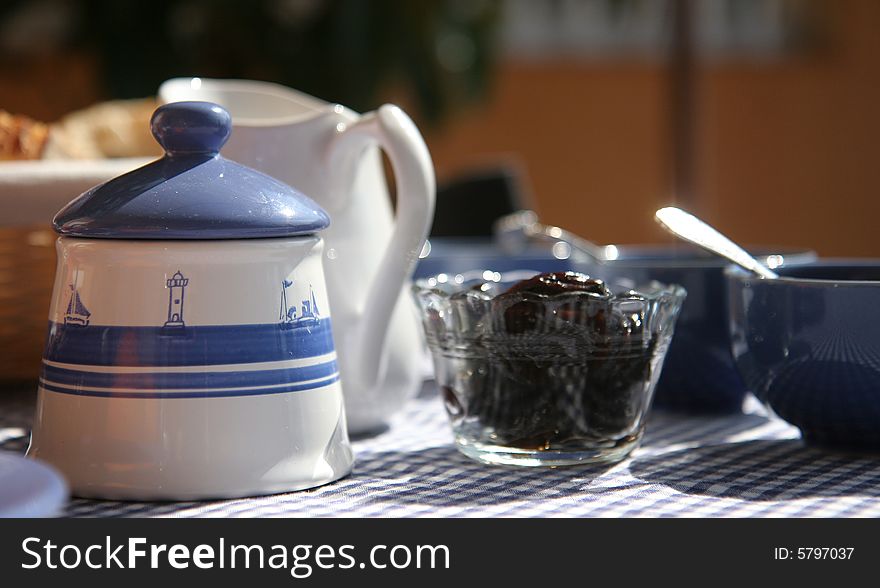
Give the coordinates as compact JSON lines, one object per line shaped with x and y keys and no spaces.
{"x":808,"y":346}
{"x":699,"y":374}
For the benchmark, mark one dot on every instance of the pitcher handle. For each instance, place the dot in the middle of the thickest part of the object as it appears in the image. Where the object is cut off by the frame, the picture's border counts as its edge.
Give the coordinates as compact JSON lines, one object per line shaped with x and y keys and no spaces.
{"x":397,"y":135}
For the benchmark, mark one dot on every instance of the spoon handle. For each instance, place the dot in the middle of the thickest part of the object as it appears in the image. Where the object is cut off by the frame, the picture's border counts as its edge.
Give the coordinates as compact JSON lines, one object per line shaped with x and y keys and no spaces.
{"x":692,"y":229}
{"x":516,"y":229}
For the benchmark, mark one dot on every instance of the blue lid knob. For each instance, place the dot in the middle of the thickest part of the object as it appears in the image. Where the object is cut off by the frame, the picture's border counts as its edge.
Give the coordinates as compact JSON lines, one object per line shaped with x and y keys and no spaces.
{"x":191,"y":127}
{"x":192,"y":192}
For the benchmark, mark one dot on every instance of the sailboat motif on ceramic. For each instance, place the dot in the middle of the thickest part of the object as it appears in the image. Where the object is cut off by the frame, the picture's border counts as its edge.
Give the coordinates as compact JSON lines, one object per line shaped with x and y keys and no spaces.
{"x":76,"y":314}
{"x":309,"y":315}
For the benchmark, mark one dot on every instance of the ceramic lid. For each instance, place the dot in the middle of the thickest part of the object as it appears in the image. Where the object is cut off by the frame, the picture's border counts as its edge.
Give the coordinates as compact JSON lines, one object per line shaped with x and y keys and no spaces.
{"x":192,"y":192}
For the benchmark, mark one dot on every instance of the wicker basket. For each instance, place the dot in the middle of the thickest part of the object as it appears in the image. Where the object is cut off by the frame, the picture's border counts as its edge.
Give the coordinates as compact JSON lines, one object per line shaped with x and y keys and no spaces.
{"x":27,"y":269}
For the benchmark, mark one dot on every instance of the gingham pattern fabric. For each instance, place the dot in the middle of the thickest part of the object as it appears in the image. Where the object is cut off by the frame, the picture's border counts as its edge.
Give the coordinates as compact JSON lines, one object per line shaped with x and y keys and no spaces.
{"x":746,"y":465}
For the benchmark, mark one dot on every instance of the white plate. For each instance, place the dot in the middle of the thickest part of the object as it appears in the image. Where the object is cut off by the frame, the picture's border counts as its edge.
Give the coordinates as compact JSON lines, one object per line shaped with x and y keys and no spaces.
{"x":29,"y":488}
{"x":31,"y":192}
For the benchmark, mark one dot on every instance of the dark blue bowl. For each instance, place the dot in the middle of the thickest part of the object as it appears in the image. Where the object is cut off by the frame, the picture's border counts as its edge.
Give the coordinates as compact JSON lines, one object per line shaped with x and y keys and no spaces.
{"x":699,"y":374}
{"x":808,"y":346}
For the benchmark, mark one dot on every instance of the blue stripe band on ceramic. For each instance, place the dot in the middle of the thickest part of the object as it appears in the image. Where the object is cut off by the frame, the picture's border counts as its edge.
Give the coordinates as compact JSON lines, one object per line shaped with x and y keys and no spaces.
{"x":294,"y":387}
{"x":157,"y":380}
{"x":192,"y":345}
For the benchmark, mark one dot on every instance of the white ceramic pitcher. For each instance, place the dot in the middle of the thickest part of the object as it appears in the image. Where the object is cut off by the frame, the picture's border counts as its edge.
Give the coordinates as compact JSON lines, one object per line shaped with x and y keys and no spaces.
{"x":332,"y":154}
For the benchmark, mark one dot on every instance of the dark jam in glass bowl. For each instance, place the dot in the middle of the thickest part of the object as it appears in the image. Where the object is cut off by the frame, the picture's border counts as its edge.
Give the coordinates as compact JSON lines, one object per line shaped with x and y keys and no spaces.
{"x":552,"y":369}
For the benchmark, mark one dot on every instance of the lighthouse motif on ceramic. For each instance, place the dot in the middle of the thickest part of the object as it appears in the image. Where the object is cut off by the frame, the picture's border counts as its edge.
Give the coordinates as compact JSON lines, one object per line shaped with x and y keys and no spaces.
{"x":176,"y":286}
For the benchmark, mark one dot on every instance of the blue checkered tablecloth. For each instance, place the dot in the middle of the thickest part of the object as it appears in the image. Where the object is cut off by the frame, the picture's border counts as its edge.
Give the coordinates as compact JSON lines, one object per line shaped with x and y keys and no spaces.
{"x":745,"y":465}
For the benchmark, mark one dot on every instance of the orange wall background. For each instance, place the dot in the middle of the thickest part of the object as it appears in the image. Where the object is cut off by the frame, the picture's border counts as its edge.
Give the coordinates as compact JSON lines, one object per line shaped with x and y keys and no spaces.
{"x":785,"y":151}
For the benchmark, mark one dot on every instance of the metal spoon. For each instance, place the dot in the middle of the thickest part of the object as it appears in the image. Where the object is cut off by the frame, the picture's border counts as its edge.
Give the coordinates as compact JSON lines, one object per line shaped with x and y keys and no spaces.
{"x":514,"y":231}
{"x":692,"y":229}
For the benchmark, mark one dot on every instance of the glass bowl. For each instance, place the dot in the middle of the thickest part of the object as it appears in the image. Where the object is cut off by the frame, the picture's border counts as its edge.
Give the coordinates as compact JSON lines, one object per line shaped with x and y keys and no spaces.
{"x":553,"y":379}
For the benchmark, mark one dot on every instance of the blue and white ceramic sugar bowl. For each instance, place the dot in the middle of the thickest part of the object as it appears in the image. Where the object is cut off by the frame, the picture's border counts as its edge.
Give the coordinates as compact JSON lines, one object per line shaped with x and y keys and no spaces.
{"x":189,"y":352}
